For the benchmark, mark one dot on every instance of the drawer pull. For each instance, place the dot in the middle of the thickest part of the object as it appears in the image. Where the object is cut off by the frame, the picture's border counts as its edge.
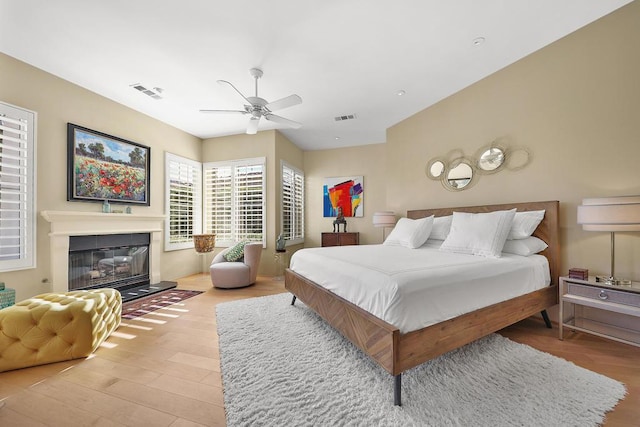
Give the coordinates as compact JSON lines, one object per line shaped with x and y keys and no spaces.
{"x":603,"y":295}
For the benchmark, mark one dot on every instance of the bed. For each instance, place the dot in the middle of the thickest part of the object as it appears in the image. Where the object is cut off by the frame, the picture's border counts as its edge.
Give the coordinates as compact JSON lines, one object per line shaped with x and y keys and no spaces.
{"x":397,"y":351}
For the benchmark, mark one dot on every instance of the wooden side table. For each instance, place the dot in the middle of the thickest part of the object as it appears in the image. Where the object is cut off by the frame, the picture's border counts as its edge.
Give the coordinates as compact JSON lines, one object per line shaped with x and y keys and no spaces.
{"x":340,"y":239}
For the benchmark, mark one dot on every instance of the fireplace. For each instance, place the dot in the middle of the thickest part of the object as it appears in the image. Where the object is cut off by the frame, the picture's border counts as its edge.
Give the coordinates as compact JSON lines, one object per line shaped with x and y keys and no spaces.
{"x":66,"y":226}
{"x":119,"y":261}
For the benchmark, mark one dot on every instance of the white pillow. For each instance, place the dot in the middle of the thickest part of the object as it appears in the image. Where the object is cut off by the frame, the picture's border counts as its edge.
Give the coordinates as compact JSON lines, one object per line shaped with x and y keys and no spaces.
{"x":411,"y":233}
{"x":481,"y":234}
{"x":525,"y":247}
{"x":524,"y":224}
{"x":441,"y":227}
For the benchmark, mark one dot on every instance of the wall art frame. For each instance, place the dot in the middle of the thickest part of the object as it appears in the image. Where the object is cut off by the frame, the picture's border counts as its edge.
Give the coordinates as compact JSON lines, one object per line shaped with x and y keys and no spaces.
{"x":105,"y":167}
{"x":346,"y":193}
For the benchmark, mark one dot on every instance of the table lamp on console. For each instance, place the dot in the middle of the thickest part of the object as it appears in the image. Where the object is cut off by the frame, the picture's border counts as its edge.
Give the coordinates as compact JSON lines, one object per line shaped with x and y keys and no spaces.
{"x":384,"y":219}
{"x":610,"y":214}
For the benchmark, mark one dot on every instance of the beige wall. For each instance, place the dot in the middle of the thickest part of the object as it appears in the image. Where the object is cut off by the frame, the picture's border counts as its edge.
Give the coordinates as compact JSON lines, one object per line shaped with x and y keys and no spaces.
{"x":57,"y":102}
{"x":368,"y":161}
{"x":575,"y":104}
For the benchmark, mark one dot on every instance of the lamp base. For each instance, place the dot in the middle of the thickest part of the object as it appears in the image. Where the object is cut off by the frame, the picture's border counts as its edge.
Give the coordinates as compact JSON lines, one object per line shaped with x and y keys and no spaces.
{"x":613,"y":281}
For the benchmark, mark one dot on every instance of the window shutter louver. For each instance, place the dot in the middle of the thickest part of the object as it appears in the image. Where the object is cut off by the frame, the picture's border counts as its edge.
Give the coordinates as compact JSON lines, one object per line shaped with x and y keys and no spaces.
{"x":235,"y":200}
{"x":183,"y":200}
{"x":17,"y":188}
{"x":292,"y":204}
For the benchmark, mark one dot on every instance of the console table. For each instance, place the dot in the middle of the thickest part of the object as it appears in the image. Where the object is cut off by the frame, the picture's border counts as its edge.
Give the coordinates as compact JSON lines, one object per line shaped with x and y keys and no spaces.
{"x":609,"y":311}
{"x":340,"y":239}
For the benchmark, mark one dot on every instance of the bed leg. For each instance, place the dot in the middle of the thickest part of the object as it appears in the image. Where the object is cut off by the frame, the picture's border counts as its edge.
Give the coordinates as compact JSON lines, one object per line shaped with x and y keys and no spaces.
{"x":293,"y":301}
{"x":545,"y":316}
{"x":397,"y":390}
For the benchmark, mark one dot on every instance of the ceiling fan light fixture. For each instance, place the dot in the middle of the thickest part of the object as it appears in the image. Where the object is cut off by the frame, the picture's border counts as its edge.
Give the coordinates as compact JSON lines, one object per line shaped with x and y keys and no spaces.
{"x":258,"y":107}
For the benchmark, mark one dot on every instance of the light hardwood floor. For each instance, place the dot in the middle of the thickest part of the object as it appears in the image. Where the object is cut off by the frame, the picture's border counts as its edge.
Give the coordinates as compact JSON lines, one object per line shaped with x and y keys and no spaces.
{"x":163,"y":369}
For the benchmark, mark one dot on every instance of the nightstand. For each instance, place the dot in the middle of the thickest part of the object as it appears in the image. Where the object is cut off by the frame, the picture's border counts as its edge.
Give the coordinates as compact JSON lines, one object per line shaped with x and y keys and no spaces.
{"x":340,"y":239}
{"x":597,"y":308}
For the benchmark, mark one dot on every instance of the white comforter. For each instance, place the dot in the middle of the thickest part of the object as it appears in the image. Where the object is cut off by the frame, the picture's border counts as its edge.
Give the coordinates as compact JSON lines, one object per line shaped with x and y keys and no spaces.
{"x":414,"y":288}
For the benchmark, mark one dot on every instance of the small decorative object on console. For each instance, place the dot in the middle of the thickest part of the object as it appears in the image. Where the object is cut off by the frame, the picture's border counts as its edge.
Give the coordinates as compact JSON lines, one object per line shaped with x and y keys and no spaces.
{"x":579,"y":273}
{"x":280,"y":243}
{"x":339,"y":220}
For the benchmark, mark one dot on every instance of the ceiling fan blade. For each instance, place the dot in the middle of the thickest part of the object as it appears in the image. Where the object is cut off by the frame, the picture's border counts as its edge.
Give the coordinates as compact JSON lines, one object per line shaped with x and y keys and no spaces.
{"x":285,"y":102}
{"x":252,"y":127}
{"x":236,"y":89}
{"x":224,"y":111}
{"x":282,"y":121}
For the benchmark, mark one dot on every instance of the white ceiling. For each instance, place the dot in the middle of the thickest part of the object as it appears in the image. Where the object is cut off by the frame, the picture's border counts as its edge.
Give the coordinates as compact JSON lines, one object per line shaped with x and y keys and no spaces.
{"x":341,"y":56}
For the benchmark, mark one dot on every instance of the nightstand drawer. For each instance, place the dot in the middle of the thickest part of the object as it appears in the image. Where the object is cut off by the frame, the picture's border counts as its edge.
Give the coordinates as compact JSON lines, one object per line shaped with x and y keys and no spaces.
{"x":604,"y":294}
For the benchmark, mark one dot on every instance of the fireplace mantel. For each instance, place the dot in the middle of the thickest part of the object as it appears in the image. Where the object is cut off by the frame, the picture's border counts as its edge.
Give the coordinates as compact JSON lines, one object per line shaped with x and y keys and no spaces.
{"x":78,"y":223}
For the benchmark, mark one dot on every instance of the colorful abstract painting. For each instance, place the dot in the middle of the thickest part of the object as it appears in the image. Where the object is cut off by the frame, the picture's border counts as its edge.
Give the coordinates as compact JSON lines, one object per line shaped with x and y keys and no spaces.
{"x":344,"y":192}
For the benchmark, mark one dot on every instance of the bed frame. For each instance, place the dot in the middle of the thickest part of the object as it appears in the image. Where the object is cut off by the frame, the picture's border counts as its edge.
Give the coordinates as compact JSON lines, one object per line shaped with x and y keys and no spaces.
{"x":397,"y":352}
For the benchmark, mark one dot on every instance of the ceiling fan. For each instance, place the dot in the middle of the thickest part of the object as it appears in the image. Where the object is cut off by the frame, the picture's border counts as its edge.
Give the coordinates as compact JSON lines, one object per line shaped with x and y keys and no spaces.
{"x":257,"y":107}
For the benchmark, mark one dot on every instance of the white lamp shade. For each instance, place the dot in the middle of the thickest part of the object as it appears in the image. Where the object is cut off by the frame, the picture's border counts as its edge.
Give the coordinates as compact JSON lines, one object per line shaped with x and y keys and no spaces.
{"x":384,"y":219}
{"x":610,"y":214}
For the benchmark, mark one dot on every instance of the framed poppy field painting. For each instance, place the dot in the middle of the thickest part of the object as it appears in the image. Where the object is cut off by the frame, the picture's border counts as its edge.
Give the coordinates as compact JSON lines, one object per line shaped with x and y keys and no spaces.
{"x":104,"y":167}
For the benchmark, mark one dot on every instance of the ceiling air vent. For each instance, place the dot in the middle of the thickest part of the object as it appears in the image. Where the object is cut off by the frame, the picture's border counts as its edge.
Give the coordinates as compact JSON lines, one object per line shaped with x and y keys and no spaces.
{"x":346,"y":117}
{"x":153,"y":93}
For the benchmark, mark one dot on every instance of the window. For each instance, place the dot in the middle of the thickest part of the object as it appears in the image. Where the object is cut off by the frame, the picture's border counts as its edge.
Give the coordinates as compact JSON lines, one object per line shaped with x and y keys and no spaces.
{"x":184,"y":201}
{"x":234,"y":200}
{"x":292,"y":205}
{"x":17,"y":188}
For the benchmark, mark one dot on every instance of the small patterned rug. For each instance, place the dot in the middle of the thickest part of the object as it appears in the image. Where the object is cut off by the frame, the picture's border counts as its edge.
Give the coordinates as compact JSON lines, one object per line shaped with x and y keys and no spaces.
{"x":141,"y":306}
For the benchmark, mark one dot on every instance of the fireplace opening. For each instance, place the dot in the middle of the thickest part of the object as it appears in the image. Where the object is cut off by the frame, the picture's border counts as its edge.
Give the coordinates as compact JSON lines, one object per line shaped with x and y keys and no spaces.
{"x":119,"y":261}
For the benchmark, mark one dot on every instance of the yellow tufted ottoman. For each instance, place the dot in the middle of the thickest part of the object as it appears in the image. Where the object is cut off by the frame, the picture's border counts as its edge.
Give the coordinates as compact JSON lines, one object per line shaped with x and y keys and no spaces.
{"x":55,"y":327}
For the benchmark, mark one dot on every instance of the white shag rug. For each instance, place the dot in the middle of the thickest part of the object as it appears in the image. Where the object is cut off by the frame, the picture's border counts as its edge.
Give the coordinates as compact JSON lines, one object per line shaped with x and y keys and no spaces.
{"x":282,"y":365}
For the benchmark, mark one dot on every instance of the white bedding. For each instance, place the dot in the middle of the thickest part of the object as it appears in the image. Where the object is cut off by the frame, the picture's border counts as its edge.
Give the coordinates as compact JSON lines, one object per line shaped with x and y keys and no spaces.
{"x":415,"y":288}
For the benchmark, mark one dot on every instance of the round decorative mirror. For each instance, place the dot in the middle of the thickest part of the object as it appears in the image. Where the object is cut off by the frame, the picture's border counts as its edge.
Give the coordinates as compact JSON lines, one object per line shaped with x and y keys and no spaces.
{"x":435,"y":169}
{"x":459,"y":176}
{"x":491,"y":159}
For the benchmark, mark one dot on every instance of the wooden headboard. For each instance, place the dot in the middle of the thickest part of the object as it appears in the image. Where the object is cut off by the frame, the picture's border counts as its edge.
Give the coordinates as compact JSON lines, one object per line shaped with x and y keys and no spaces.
{"x":548,"y":230}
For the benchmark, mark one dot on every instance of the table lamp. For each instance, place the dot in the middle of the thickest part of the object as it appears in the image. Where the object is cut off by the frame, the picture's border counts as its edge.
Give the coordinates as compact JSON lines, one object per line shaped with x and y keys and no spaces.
{"x":384,"y":219}
{"x":610,"y":214}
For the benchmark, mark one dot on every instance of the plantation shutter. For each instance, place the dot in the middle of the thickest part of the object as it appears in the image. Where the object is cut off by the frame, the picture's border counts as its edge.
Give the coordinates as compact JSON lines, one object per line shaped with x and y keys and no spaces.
{"x":292,"y":204}
{"x":234,"y":201}
{"x":248,"y":202}
{"x":184,"y":201}
{"x":298,"y":229}
{"x":17,"y":188}
{"x":217,"y":205}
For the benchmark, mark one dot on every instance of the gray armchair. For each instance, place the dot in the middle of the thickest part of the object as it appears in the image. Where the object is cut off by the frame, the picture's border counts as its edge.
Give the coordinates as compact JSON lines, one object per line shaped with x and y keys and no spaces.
{"x":226,"y":274}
